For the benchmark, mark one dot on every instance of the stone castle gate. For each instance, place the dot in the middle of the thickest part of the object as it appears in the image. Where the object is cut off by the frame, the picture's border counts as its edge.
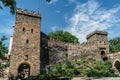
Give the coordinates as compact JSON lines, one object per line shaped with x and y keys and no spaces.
{"x":28,"y":55}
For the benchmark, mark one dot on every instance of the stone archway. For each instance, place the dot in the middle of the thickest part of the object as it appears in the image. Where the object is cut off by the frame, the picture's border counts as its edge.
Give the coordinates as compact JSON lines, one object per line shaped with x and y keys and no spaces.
{"x":24,"y":70}
{"x":117,"y":65}
{"x":103,"y":55}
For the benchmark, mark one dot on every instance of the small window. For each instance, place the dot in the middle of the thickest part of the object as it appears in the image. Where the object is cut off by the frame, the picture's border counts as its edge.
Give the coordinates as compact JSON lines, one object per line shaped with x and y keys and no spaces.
{"x":27,"y":41}
{"x":26,"y":57}
{"x":23,"y":29}
{"x":104,"y":42}
{"x":31,"y":30}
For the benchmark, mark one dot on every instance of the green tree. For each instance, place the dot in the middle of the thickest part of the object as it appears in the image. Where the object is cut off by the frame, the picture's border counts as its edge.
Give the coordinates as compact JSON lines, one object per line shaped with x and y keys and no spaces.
{"x":85,"y":67}
{"x":63,"y":36}
{"x":114,"y":44}
{"x":3,"y":48}
{"x":9,"y":3}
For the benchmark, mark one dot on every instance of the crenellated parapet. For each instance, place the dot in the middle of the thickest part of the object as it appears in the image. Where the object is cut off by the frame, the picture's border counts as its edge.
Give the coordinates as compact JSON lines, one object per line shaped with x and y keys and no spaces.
{"x":27,"y":17}
{"x":96,"y":32}
{"x":26,"y":12}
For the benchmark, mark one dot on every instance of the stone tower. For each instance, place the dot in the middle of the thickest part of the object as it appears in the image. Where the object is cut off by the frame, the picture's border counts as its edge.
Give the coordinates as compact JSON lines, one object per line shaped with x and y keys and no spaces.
{"x":100,"y":40}
{"x":25,"y":54}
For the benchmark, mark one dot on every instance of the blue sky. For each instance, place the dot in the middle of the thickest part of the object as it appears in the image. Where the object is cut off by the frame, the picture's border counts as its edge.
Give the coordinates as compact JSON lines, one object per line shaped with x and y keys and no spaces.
{"x":79,"y":17}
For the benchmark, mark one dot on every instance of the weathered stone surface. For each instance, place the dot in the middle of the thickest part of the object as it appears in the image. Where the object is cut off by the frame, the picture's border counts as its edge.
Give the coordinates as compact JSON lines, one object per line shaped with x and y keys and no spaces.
{"x":26,"y":43}
{"x":97,"y":47}
{"x":44,"y":53}
{"x":115,"y":57}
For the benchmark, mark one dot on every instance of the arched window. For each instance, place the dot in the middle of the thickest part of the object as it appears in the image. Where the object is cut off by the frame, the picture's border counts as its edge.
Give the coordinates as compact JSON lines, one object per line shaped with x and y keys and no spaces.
{"x":23,"y":29}
{"x":31,"y":30}
{"x":27,"y":41}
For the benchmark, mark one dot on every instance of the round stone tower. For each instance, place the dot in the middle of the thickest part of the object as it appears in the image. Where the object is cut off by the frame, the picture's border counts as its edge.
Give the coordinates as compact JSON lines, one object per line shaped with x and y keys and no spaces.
{"x":25,"y":54}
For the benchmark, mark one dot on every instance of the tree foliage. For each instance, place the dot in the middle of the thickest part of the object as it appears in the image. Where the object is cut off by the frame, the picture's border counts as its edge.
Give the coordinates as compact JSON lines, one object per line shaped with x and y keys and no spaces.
{"x":114,"y":44}
{"x":101,"y":69}
{"x":9,"y":3}
{"x":87,"y":66}
{"x":48,"y":0}
{"x":3,"y":48}
{"x":63,"y":36}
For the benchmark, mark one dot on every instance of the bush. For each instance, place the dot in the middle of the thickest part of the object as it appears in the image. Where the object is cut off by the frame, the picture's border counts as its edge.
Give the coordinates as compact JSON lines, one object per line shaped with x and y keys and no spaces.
{"x":101,"y":69}
{"x":85,"y":67}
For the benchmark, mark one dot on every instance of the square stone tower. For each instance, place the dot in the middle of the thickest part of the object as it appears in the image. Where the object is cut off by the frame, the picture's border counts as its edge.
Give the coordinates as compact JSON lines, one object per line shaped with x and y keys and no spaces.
{"x":100,"y":40}
{"x":25,"y":54}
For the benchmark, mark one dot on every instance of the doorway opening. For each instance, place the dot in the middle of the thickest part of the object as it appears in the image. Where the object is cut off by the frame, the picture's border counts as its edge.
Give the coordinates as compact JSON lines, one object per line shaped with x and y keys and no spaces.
{"x":24,"y":70}
{"x":117,"y":66}
{"x":103,"y":55}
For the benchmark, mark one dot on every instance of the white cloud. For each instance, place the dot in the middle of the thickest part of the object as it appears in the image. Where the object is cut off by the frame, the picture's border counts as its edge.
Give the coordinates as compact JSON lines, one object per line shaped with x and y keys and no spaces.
{"x":57,"y":11}
{"x":54,"y":28}
{"x":90,"y":16}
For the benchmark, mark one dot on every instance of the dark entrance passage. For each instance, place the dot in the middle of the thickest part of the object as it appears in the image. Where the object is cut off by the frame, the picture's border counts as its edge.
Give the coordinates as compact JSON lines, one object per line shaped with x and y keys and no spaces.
{"x":103,"y":55}
{"x":117,"y":66}
{"x":23,"y":70}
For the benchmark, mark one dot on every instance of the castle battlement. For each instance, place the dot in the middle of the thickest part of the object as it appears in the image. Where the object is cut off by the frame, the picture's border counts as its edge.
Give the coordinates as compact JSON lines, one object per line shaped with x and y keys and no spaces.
{"x":27,"y":17}
{"x":26,"y":12}
{"x":96,"y":32}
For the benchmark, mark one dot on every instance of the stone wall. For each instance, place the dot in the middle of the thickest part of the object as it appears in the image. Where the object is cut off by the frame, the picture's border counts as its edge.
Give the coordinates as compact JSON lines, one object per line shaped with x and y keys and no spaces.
{"x":59,"y":52}
{"x":44,"y":53}
{"x":75,"y":51}
{"x":72,"y":50}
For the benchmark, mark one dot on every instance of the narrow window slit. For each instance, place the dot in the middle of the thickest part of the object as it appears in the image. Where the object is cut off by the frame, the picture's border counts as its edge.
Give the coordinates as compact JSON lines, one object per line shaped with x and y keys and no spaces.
{"x":23,"y":29}
{"x":31,"y":30}
{"x":27,"y":41}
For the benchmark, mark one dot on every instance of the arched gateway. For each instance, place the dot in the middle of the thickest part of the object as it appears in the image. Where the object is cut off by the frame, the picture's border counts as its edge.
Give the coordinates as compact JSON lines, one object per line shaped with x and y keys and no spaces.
{"x":117,"y":65}
{"x":26,"y":45}
{"x":103,"y":55}
{"x":24,"y":70}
